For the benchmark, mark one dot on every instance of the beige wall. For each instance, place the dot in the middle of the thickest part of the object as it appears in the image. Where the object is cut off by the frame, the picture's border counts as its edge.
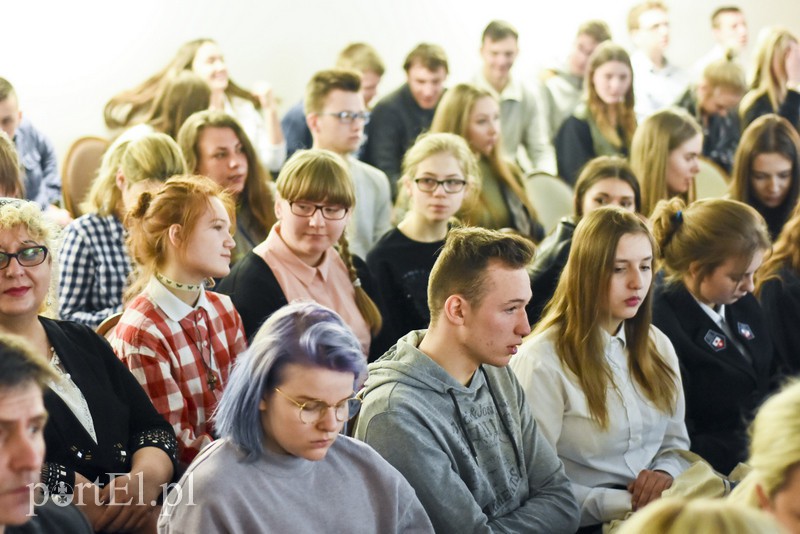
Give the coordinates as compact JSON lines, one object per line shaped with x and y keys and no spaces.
{"x":67,"y":58}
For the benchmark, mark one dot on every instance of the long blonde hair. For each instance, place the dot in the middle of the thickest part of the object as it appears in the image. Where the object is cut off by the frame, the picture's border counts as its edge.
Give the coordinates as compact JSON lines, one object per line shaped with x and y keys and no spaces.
{"x":769,"y":75}
{"x":660,"y":134}
{"x":322,"y":176}
{"x":578,"y":308}
{"x":785,"y":252}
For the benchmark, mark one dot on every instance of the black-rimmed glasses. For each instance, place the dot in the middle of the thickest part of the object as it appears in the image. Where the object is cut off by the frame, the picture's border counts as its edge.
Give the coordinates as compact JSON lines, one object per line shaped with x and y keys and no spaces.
{"x":27,"y":257}
{"x":347,"y":117}
{"x":429,"y":185}
{"x":314,"y":410}
{"x":306,"y":209}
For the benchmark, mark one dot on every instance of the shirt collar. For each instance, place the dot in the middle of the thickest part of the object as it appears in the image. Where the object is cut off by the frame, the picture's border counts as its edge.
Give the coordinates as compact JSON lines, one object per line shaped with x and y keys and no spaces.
{"x":512,"y":90}
{"x":619,"y":336}
{"x":172,"y":306}
{"x":718,"y":316}
{"x":304,"y":272}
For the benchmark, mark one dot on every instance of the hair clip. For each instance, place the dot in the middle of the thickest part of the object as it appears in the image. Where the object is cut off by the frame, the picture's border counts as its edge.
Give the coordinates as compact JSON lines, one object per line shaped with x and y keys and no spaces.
{"x":678,"y":217}
{"x":357,"y":282}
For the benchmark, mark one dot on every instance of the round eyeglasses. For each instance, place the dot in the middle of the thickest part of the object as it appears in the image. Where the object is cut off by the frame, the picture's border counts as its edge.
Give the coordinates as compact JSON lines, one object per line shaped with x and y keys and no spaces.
{"x":314,"y":410}
{"x":306,"y":209}
{"x":429,"y":185}
{"x":27,"y":257}
{"x":348,"y":117}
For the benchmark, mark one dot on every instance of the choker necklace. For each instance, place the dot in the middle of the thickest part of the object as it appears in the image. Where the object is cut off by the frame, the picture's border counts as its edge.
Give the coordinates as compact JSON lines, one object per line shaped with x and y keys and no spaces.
{"x":178,"y":285}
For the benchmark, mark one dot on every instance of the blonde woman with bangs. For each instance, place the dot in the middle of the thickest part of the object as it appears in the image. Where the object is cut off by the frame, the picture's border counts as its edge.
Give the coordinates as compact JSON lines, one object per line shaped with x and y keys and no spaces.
{"x":439,"y":175}
{"x":603,"y":124}
{"x":774,"y":482}
{"x":664,"y":155}
{"x":774,"y":87}
{"x":711,"y":251}
{"x":602,"y":382}
{"x":306,"y":254}
{"x":501,"y":200}
{"x":94,"y":260}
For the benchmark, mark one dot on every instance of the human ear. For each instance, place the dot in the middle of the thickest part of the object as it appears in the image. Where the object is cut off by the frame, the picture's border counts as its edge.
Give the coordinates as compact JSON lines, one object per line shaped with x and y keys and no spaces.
{"x":763,"y":501}
{"x":454,"y":309}
{"x":175,"y":234}
{"x":120,"y":180}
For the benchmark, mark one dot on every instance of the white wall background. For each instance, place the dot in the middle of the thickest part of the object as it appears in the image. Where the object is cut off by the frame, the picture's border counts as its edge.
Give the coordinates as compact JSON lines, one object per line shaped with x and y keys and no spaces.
{"x":67,"y":58}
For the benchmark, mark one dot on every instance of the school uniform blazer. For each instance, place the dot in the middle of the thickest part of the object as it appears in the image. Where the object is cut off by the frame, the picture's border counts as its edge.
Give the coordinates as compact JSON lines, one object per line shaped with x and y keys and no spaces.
{"x":723,"y":390}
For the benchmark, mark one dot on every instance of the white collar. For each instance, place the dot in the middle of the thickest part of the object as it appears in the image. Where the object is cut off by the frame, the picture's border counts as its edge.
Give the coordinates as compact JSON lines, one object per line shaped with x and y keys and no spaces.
{"x":172,"y":306}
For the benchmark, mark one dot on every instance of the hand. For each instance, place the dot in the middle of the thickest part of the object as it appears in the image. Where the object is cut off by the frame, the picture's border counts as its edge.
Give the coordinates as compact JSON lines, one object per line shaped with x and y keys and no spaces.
{"x":127,"y":507}
{"x":263,"y":92}
{"x":648,"y":487}
{"x":87,"y":499}
{"x":59,"y":216}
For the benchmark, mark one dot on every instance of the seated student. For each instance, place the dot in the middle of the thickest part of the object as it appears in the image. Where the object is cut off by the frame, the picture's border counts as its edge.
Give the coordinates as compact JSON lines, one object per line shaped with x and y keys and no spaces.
{"x":10,"y":184}
{"x":778,"y":290}
{"x":103,"y":436}
{"x":766,"y":172}
{"x":657,"y":81}
{"x":281,"y":465}
{"x":604,"y":181}
{"x":773,"y":484}
{"x":23,"y":379}
{"x":522,"y":121}
{"x":399,"y":117}
{"x":306,"y":254}
{"x":729,"y":29}
{"x":776,"y":77}
{"x":442,"y":407}
{"x":664,"y":154}
{"x":257,"y":112}
{"x":713,"y":102}
{"x":178,"y":339}
{"x":562,"y":86}
{"x":603,"y":124}
{"x":215,"y":145}
{"x":360,"y":57}
{"x":710,"y":251}
{"x":501,"y":202}
{"x":94,"y":262}
{"x":439,"y":174}
{"x":596,"y":367}
{"x":698,"y":516}
{"x":41,"y":180}
{"x":336,"y":117}
{"x":180,"y":96}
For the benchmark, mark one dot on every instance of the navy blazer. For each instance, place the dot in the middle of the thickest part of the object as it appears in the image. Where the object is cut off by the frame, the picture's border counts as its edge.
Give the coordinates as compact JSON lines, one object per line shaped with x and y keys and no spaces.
{"x":723,"y":390}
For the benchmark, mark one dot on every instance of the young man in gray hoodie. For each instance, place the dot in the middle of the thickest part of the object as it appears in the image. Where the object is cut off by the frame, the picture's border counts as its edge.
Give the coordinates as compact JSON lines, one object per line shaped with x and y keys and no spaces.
{"x":445,"y":410}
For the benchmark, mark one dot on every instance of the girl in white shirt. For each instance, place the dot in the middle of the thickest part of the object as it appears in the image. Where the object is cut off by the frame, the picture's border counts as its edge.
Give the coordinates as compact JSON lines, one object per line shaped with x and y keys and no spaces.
{"x":603,"y":384}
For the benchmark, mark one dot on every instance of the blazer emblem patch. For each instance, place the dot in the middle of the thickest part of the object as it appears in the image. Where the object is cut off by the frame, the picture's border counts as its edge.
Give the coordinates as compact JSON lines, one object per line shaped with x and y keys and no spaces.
{"x":745,"y":331}
{"x":716,"y":340}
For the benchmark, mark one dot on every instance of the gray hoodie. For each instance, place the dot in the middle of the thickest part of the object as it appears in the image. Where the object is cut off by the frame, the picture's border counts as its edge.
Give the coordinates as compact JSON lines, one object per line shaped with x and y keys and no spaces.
{"x":473,"y":453}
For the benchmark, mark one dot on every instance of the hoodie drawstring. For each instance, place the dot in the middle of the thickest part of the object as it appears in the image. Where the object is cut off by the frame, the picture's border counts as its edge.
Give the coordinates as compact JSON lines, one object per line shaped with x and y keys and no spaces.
{"x":463,"y":425}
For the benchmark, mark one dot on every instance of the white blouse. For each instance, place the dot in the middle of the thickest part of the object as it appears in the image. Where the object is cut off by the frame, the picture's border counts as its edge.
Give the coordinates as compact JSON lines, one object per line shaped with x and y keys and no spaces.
{"x":252,"y":121}
{"x":600,"y":464}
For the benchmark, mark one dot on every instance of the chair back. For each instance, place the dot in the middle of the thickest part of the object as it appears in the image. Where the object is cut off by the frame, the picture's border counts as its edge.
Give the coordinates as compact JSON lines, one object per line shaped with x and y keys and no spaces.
{"x":107,"y":326}
{"x":550,"y":196}
{"x":712,"y":181}
{"x":79,"y":170}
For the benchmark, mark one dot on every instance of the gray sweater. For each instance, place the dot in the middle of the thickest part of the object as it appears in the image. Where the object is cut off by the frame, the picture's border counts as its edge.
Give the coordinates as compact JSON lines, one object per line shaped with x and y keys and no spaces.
{"x":473,"y":453}
{"x":351,"y":490}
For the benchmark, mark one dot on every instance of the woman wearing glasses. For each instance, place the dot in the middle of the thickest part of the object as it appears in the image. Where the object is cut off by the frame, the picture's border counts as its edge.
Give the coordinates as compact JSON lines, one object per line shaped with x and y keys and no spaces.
{"x":474,"y":114}
{"x":101,"y":424}
{"x":439,"y":173}
{"x":281,"y":463}
{"x":178,"y":339}
{"x":306,"y":254}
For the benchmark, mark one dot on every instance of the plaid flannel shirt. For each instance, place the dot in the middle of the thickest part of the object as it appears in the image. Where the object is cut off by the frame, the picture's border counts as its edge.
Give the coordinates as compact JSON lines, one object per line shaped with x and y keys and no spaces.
{"x":165,"y":343}
{"x":94,"y":267}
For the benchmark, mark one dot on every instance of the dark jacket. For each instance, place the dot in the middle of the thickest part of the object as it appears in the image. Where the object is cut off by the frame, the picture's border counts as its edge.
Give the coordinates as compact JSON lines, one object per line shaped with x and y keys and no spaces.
{"x":551,"y":257}
{"x":789,"y":109}
{"x":723,"y":390}
{"x":780,"y":300}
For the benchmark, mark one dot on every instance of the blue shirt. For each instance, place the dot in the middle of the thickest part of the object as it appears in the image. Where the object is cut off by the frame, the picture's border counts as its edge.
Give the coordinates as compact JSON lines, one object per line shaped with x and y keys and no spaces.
{"x":41,"y":179}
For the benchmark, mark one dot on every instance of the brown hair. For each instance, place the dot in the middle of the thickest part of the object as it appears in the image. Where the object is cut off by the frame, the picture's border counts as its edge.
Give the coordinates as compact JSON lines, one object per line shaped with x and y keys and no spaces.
{"x":767,"y":134}
{"x":596,"y":29}
{"x":660,"y":134}
{"x":498,"y":30}
{"x":324,"y":82}
{"x":10,"y":183}
{"x":321,"y":175}
{"x":637,"y":10}
{"x":725,"y":73}
{"x":461,"y":266}
{"x":430,"y":56}
{"x":125,"y":107}
{"x":182,"y":200}
{"x":715,"y":16}
{"x":706,"y":233}
{"x":603,"y":168}
{"x":578,"y":308}
{"x":181,"y":95}
{"x":625,"y":116}
{"x":785,"y":252}
{"x":256,"y":196}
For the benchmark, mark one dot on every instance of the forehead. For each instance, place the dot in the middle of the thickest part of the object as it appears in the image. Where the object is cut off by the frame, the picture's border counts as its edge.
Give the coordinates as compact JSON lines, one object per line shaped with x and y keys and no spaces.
{"x":316,"y":382}
{"x":611,"y":185}
{"x":504,"y":284}
{"x":20,"y":402}
{"x":214,"y":136}
{"x":633,"y":247}
{"x":729,"y":19}
{"x":772,"y":160}
{"x":505,"y":44}
{"x":443,"y":163}
{"x":612,"y":67}
{"x":485,"y":105}
{"x":16,"y":235}
{"x":652,"y":17}
{"x":341,"y":100}
{"x":206,"y":51}
{"x":419,"y":72}
{"x":9,"y":105}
